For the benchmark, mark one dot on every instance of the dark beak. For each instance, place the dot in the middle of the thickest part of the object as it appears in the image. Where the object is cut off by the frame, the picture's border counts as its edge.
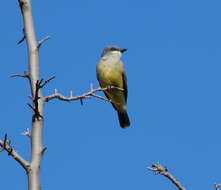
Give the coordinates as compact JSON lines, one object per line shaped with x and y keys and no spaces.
{"x":122,"y":50}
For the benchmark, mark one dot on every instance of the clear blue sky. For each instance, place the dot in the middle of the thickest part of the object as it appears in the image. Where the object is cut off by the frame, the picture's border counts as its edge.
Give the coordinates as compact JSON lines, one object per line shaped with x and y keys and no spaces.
{"x":173,"y":65}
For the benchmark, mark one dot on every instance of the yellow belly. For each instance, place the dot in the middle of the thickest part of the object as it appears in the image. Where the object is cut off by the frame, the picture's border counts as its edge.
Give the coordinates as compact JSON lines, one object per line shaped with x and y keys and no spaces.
{"x":111,"y":76}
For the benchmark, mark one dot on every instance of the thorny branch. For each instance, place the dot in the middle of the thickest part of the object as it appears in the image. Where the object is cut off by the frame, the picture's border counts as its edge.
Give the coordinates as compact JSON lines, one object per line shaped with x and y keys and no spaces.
{"x":86,"y":95}
{"x":25,"y":75}
{"x":6,"y":145}
{"x":159,"y":169}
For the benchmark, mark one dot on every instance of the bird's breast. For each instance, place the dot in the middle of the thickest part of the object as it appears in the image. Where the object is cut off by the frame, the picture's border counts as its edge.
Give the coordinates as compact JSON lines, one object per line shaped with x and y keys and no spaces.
{"x":110,"y":74}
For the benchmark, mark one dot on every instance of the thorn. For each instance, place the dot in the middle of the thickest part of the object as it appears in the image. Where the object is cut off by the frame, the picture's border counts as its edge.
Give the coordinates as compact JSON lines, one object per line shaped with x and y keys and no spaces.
{"x":33,"y":109}
{"x":39,"y":82}
{"x":23,"y":38}
{"x":20,"y":41}
{"x":27,"y":133}
{"x":43,"y":150}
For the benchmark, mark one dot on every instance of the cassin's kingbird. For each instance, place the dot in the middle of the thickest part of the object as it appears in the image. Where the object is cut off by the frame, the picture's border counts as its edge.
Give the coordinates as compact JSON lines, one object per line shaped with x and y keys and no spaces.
{"x":111,"y":73}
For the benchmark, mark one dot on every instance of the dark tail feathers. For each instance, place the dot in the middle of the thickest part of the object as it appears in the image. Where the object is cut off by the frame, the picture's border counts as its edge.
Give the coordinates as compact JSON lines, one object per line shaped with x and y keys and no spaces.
{"x":123,"y":119}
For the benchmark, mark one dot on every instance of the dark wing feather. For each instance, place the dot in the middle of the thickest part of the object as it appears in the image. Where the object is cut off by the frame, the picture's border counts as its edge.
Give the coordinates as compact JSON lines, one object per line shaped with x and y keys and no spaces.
{"x":125,"y":85}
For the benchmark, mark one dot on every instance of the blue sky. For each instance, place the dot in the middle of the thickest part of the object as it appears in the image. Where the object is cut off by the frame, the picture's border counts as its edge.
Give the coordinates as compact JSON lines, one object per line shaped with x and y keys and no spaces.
{"x":173,"y":65}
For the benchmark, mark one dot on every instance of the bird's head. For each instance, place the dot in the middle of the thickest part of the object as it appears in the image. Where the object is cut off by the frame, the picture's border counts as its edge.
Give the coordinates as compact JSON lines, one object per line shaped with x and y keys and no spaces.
{"x":113,"y":50}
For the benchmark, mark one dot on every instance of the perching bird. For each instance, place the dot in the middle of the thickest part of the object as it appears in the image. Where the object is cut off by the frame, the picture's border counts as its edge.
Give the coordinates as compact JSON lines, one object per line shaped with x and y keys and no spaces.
{"x":111,"y":73}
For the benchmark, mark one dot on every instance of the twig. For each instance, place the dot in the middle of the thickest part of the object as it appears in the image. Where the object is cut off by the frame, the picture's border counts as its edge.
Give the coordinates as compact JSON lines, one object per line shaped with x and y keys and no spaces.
{"x":47,"y":81}
{"x":42,"y":41}
{"x":159,"y":169}
{"x":100,"y":97}
{"x":6,"y":145}
{"x":25,"y":75}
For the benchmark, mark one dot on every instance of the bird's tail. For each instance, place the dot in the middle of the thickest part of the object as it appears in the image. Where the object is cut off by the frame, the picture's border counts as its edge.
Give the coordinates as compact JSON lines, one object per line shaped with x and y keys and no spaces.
{"x":123,"y":119}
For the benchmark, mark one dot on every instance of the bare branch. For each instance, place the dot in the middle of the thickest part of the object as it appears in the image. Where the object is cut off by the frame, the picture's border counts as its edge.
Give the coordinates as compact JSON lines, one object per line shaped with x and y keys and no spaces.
{"x":159,"y":169}
{"x":6,"y":145}
{"x":43,"y":40}
{"x":47,"y":81}
{"x":97,"y":96}
{"x":100,"y":97}
{"x":86,"y":95}
{"x":25,"y":75}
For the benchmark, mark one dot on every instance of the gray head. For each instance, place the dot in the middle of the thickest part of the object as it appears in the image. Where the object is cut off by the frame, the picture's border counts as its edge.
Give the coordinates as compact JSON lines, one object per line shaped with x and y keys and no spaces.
{"x":113,"y":49}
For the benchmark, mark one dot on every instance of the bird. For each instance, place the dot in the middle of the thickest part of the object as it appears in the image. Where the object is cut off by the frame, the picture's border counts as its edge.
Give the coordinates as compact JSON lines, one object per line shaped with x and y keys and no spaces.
{"x":111,"y":75}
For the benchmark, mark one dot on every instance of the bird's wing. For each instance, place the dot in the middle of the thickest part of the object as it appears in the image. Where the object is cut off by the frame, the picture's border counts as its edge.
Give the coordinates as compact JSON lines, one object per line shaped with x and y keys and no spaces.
{"x":125,"y":85}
